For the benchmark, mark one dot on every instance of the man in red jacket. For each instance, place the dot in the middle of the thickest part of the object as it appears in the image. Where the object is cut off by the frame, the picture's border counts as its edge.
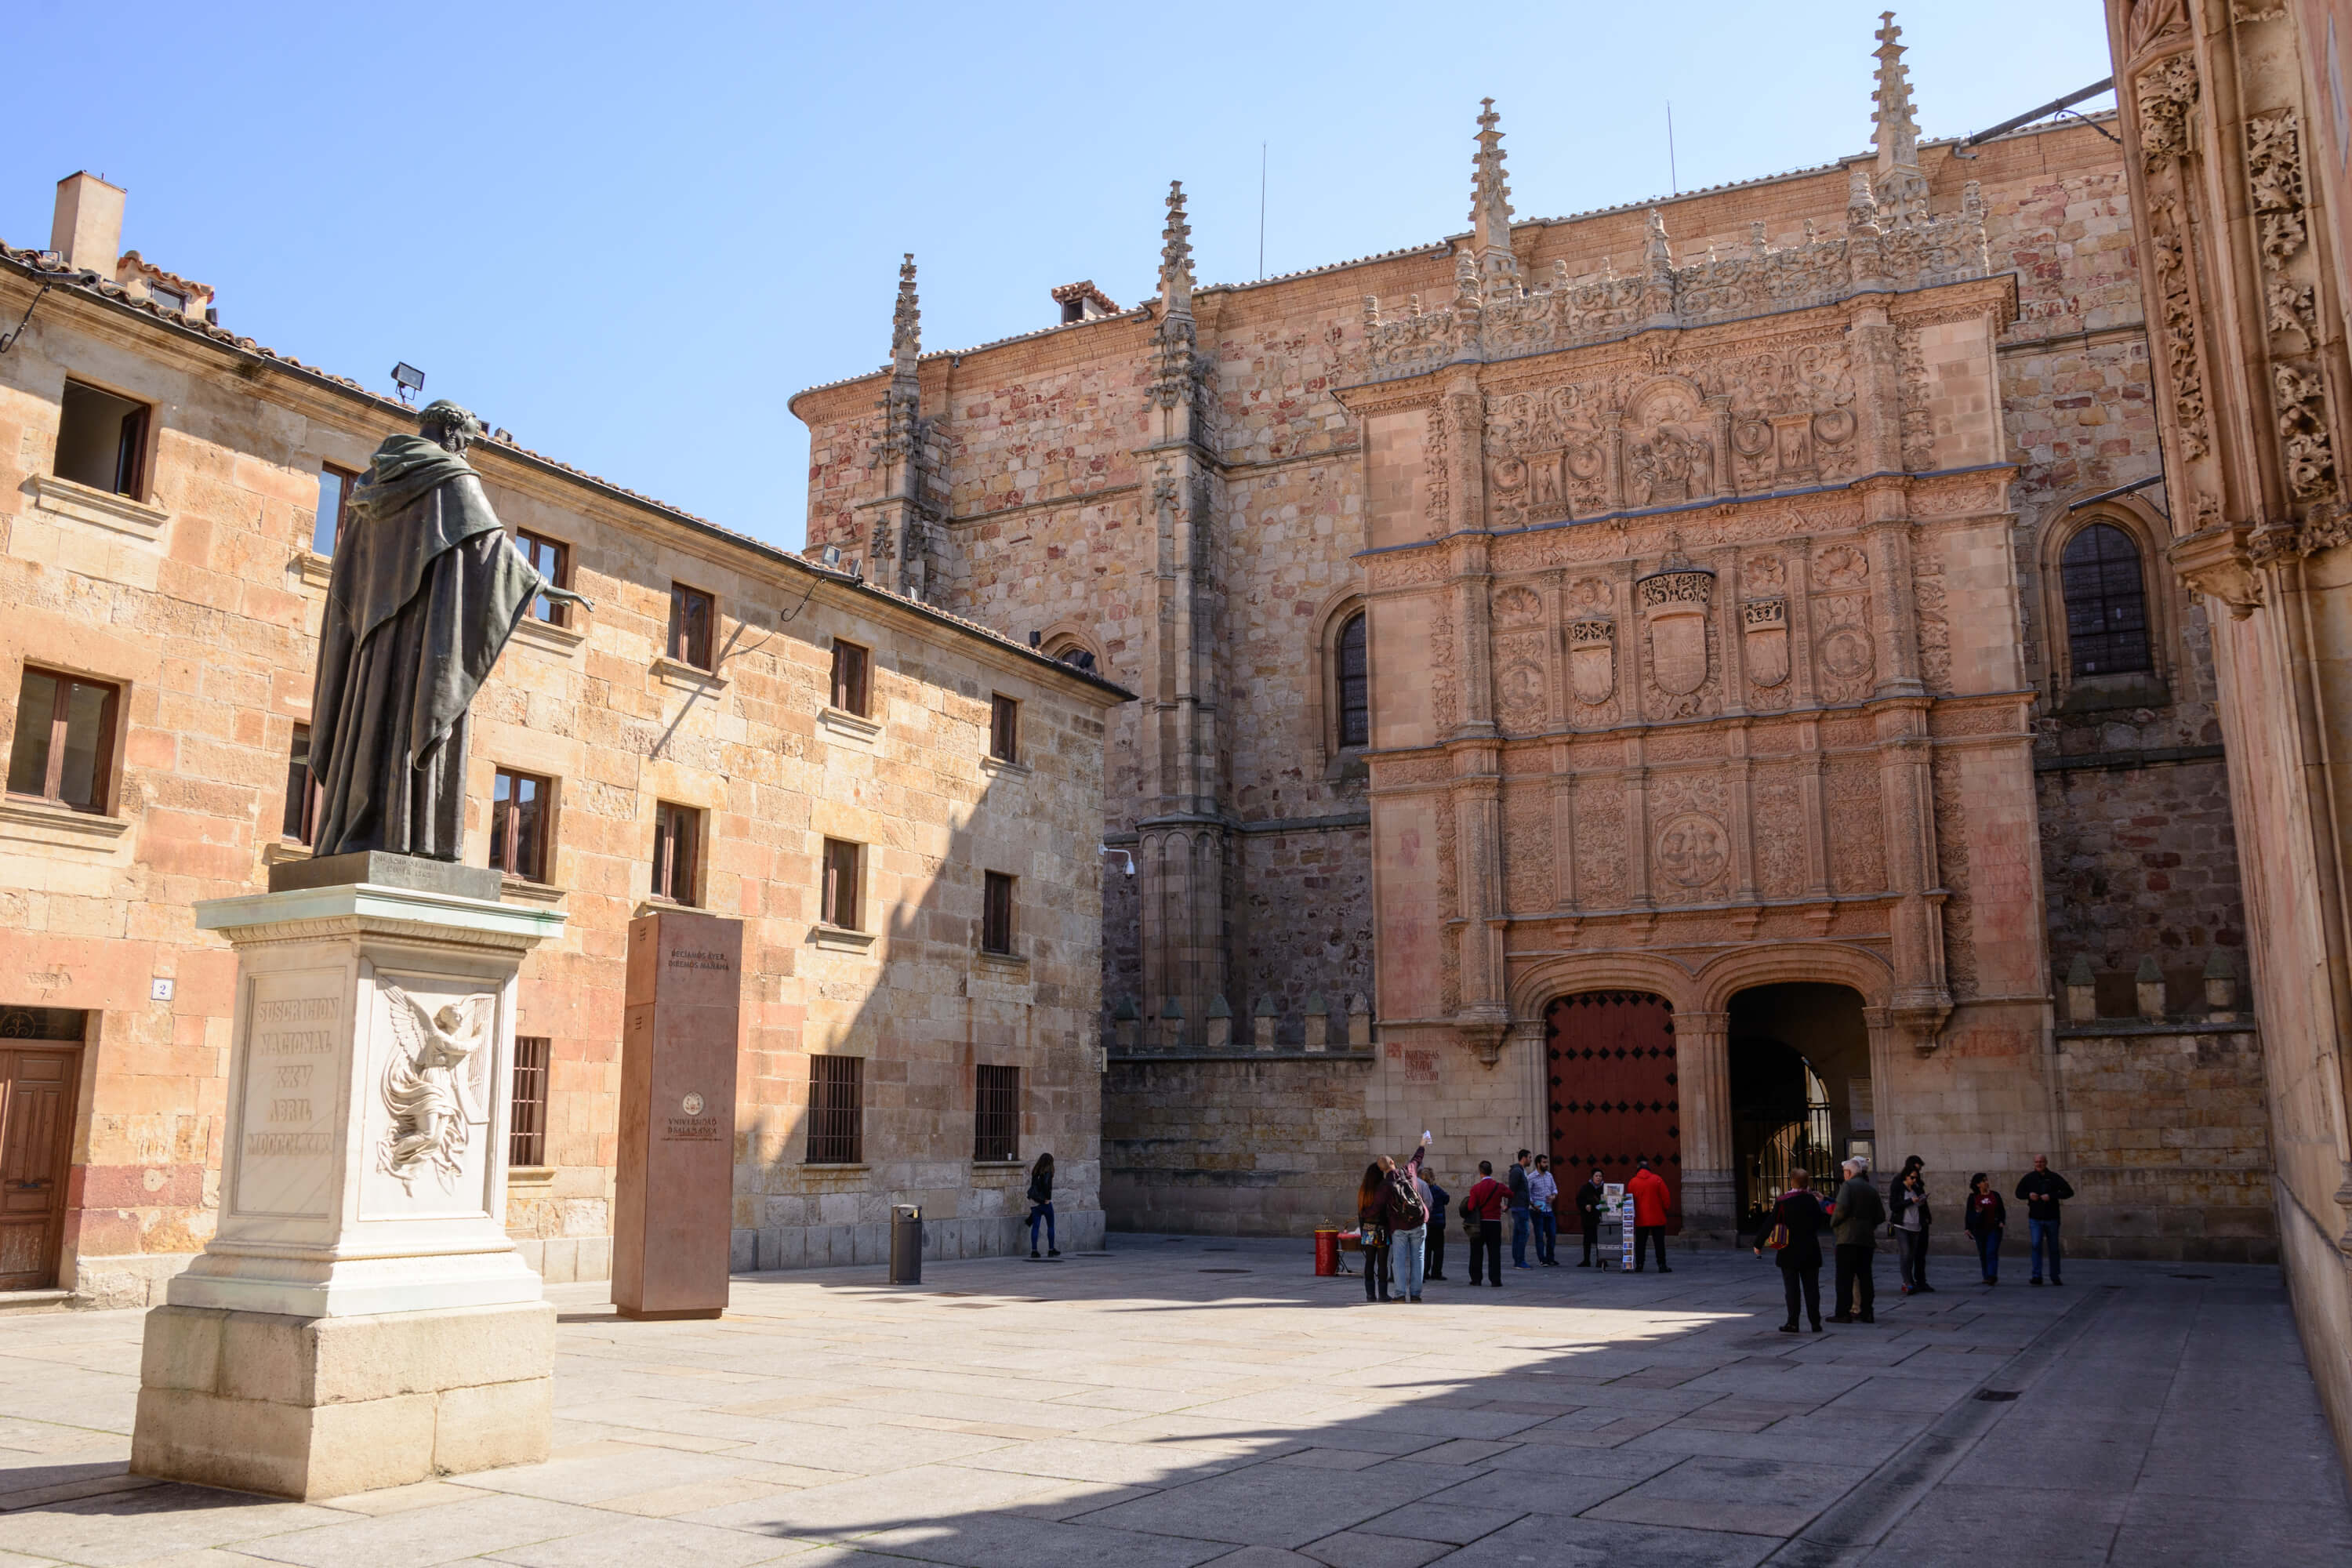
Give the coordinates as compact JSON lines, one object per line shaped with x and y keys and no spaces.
{"x":1648,"y":1191}
{"x":1483,"y":1211}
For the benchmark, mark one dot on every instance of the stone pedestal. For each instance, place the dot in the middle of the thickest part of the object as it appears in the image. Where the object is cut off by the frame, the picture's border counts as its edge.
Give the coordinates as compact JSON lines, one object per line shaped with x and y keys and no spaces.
{"x":359,"y":1319}
{"x":673,"y":1187}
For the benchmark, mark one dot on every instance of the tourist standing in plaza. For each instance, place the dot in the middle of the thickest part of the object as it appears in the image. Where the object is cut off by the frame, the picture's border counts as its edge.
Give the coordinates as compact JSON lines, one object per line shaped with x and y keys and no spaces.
{"x":1591,"y":1200}
{"x":1543,"y":1196}
{"x":1433,"y":1266}
{"x":1408,"y":1215}
{"x":1796,"y":1233}
{"x":1518,"y":1178}
{"x":1373,"y":1230}
{"x":1906,"y":1201}
{"x":1856,"y":1217}
{"x":1646,"y":1190}
{"x":1482,"y":1213}
{"x":1986,"y":1216}
{"x":2042,"y":1189}
{"x":1041,"y":1204}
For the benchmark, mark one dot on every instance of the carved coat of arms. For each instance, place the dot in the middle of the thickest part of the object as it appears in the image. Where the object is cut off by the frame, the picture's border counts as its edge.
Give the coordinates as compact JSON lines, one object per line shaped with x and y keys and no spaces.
{"x":1593,"y":660}
{"x":1767,"y":629}
{"x":1674,"y":602}
{"x":429,"y":1084}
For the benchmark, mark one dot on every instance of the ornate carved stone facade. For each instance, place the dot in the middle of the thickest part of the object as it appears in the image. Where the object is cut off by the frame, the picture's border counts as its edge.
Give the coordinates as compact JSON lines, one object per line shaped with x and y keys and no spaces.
{"x":2235,"y":122}
{"x":1711,"y":558}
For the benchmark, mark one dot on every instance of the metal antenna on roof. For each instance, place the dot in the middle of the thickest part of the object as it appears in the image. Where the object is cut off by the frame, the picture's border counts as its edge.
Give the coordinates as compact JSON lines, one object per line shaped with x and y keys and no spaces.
{"x":1261,"y":209}
{"x":1674,"y":179}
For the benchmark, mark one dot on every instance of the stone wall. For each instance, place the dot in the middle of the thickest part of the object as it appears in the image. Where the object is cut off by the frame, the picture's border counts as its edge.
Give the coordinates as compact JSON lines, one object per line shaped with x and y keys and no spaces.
{"x":1234,"y":1145}
{"x":201,"y":599}
{"x":2167,"y":1143}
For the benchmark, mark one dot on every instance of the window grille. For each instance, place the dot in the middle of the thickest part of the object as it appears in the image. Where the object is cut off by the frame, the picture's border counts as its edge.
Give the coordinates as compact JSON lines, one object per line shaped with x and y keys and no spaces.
{"x":996,"y":1115}
{"x":527,"y":1136}
{"x":1355,"y":685}
{"x":2106,"y":603}
{"x":837,"y":1110}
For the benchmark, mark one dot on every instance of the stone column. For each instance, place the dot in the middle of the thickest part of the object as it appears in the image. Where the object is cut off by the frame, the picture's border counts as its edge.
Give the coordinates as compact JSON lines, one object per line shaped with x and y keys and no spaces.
{"x":1710,"y":1177}
{"x":359,"y":1319}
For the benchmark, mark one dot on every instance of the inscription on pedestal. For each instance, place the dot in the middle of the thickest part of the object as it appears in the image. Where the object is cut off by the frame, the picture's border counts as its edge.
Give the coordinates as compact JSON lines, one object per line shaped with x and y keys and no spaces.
{"x":293,"y":1082}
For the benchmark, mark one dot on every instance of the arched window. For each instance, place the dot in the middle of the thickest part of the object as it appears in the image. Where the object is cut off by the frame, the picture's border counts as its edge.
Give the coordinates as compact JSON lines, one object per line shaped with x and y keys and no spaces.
{"x":1355,"y":684}
{"x":2106,"y":603}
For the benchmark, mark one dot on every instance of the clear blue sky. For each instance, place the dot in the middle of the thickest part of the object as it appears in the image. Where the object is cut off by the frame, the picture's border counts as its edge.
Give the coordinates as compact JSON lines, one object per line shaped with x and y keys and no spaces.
{"x":630,"y":233}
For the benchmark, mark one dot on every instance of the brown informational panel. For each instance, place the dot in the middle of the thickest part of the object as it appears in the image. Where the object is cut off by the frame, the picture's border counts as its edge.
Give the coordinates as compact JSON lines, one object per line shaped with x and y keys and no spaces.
{"x":1615,"y":1094}
{"x":673,"y":1203}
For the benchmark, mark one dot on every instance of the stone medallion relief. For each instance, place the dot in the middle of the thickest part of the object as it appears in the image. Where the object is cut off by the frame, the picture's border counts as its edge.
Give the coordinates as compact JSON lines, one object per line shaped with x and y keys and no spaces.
{"x":1522,"y":681}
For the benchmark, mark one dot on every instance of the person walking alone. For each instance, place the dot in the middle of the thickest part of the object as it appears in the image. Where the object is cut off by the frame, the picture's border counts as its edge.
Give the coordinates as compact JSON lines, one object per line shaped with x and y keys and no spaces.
{"x":1906,"y":1201}
{"x":1797,"y":1225}
{"x":1519,"y":1215}
{"x":1986,"y":1216}
{"x":1408,"y":1218}
{"x":1543,"y":1197}
{"x":1591,"y":1200}
{"x":2042,"y":1189}
{"x":1482,"y":1212}
{"x":1041,"y":1204}
{"x":1647,"y":1191}
{"x":1372,"y":1231}
{"x":1856,"y":1219}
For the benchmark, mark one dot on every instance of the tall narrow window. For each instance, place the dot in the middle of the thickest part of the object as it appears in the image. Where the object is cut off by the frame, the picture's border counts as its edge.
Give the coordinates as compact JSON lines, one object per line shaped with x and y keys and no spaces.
{"x":996,"y":1115}
{"x":101,"y":441}
{"x":301,"y":824}
{"x":1355,"y":685}
{"x":552,"y":558}
{"x":335,"y":508}
{"x":1004,"y":729}
{"x":63,"y":749}
{"x":843,"y":906}
{"x":996,"y":912}
{"x":675,"y":830}
{"x":519,"y":825}
{"x":836,"y":1133}
{"x":850,"y":662}
{"x":527,"y":1125}
{"x":690,"y":620}
{"x":2106,"y":602}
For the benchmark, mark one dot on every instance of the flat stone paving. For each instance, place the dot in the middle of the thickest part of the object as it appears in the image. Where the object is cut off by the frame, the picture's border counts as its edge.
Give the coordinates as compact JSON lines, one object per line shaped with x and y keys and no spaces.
{"x":1178,"y":1402}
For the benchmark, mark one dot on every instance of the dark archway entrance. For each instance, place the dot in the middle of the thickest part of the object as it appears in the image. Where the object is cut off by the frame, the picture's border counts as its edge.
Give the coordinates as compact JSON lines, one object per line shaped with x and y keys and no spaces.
{"x":1799,"y":1076}
{"x":1609,"y":1056}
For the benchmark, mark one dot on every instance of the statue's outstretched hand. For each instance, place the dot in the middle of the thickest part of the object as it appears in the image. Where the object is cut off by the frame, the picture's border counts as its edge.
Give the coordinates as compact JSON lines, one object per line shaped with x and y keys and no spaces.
{"x":566,"y":597}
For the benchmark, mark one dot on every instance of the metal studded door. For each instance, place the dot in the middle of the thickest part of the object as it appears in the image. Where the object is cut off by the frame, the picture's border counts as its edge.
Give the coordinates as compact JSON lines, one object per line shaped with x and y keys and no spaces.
{"x":1610,"y":1060}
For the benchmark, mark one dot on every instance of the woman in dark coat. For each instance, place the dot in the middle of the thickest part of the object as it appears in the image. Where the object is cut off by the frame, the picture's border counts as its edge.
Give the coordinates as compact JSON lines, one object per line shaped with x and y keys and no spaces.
{"x":1908,"y":1216}
{"x":1373,"y":1218}
{"x":1799,"y":1208}
{"x":1986,"y":1217}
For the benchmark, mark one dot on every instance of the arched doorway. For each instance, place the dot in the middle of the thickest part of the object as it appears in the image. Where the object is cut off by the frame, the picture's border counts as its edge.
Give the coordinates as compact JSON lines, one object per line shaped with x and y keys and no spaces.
{"x":1798,"y":1072}
{"x":1612,"y":1088}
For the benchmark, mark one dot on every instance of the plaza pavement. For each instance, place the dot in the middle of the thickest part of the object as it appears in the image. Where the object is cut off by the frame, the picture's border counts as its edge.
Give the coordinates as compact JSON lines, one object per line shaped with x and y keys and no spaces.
{"x":1178,"y":1402}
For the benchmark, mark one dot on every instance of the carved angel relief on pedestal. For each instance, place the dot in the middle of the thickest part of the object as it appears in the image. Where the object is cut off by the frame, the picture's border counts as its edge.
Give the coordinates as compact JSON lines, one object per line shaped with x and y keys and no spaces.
{"x":430,"y":1084}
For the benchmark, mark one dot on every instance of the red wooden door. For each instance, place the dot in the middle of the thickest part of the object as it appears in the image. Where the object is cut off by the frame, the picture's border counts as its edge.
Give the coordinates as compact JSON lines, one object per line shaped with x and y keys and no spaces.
{"x":1610,"y":1060}
{"x":36,"y":1121}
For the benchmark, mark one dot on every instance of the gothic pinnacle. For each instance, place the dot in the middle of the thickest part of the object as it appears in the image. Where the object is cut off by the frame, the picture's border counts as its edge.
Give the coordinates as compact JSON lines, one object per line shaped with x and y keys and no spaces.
{"x":1490,"y":188}
{"x":1176,"y":255}
{"x":1894,"y":130}
{"x":905,"y":321}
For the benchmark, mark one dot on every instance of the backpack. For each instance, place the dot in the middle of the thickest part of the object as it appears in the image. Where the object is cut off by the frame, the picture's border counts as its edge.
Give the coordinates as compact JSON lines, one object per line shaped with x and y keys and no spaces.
{"x":1414,"y":1211}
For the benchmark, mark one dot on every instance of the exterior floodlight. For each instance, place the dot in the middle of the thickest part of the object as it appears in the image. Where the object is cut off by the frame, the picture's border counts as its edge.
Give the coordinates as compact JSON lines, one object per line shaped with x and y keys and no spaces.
{"x":833,"y":555}
{"x":409,"y":379}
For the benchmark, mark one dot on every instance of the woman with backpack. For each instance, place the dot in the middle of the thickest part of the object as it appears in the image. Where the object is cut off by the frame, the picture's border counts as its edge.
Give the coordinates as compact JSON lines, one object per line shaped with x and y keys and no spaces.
{"x":1986,"y":1217}
{"x":1795,"y":1235}
{"x":1372,"y":1231}
{"x":1040,"y":1203}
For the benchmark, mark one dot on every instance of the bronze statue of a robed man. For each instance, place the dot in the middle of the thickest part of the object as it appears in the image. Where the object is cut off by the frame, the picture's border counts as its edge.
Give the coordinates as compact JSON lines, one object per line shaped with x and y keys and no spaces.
{"x":426,"y":591}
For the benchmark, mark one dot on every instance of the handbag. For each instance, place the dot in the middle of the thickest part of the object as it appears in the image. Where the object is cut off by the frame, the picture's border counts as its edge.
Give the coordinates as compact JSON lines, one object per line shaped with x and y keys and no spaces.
{"x":1374,"y":1234}
{"x":1779,"y":1238}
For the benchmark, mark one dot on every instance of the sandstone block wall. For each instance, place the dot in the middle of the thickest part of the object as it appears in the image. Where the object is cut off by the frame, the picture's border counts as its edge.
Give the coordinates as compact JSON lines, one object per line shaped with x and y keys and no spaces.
{"x":1235,"y":1146}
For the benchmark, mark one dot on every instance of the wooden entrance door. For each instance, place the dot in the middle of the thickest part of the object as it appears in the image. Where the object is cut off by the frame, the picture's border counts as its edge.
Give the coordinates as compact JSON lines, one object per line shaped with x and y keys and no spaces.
{"x":36,"y":1089}
{"x":1610,"y":1061}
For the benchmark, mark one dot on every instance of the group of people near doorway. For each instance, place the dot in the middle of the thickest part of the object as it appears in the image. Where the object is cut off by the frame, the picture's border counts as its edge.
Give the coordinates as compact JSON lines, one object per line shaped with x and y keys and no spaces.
{"x":1400,"y":1216}
{"x":1854,"y":1212}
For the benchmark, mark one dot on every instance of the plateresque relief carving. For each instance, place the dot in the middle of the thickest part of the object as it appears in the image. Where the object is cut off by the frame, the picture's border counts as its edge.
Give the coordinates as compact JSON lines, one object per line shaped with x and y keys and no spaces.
{"x":1674,"y":602}
{"x":1765,"y":623}
{"x":1593,"y":660}
{"x":430,"y":1084}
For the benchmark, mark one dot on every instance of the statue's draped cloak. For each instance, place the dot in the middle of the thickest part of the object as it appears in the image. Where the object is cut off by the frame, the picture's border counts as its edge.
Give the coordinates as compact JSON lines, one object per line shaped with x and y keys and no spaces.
{"x":424,"y":592}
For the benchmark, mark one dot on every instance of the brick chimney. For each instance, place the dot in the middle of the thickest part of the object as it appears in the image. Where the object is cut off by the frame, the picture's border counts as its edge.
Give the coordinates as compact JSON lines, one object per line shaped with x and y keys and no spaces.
{"x":87,"y":229}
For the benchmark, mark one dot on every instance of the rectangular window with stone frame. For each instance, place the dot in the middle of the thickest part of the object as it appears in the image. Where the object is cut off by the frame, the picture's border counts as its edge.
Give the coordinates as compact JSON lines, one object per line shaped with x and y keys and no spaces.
{"x":553,"y":559}
{"x":996,"y":913}
{"x":301,"y":823}
{"x":102,"y":441}
{"x":334,"y":510}
{"x":852,"y":684}
{"x":996,"y":1115}
{"x":527,"y":1121}
{"x":518,"y":818}
{"x":1004,"y":729}
{"x":837,"y":1110}
{"x":843,"y":904}
{"x":63,"y":747}
{"x":691,"y":617}
{"x":677,"y":830}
